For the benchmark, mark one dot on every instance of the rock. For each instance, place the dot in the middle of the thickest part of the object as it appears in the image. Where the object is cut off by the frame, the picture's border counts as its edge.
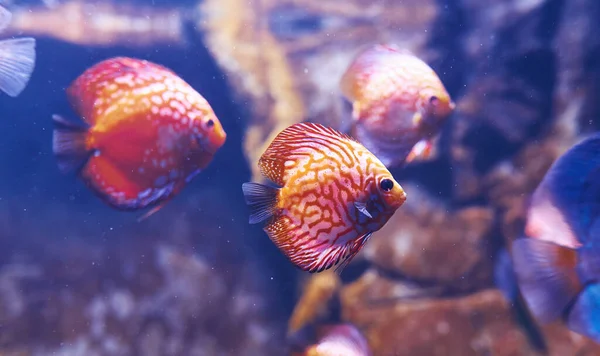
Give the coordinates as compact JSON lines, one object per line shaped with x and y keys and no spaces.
{"x":476,"y":324}
{"x":427,"y":241}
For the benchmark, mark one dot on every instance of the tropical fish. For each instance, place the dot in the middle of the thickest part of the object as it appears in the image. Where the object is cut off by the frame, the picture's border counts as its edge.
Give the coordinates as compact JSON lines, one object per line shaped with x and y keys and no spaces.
{"x":398,"y":104}
{"x":557,"y":263}
{"x":333,"y":194}
{"x":147,"y":133}
{"x":17,"y":59}
{"x":329,"y":340}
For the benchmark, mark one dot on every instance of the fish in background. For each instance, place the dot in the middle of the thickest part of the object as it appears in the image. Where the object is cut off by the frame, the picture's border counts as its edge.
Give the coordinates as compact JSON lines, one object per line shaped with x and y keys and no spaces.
{"x":17,"y":59}
{"x":332,"y":195}
{"x":328,"y":340}
{"x":399,"y":104}
{"x":147,"y":133}
{"x":557,"y":263}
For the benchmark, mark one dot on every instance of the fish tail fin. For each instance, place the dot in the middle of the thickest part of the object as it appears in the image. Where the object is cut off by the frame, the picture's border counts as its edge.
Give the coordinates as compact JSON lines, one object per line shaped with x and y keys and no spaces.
{"x":261,"y":199}
{"x":547,"y":275}
{"x":17,"y":61}
{"x":69,"y":144}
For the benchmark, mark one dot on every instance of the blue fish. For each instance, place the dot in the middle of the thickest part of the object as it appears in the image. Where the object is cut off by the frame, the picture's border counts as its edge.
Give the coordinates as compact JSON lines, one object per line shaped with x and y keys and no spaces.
{"x":557,"y":263}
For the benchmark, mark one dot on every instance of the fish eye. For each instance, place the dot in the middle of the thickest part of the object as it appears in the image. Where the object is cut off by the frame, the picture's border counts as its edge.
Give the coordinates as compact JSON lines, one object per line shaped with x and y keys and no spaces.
{"x":210,"y":123}
{"x":386,"y":185}
{"x":433,"y":99}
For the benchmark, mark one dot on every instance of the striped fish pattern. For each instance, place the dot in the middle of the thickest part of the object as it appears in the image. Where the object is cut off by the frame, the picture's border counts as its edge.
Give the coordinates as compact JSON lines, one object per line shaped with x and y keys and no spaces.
{"x":332,"y":195}
{"x":147,"y":133}
{"x":398,"y":103}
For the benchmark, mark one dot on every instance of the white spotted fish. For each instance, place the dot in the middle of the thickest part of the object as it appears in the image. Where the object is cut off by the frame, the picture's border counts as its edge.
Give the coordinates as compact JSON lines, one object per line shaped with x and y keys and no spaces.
{"x":147,"y":133}
{"x":17,"y":59}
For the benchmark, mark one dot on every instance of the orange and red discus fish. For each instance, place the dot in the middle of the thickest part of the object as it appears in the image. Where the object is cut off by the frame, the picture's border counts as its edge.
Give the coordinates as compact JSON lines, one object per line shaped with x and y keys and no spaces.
{"x":333,"y":195}
{"x":148,"y":133}
{"x":398,"y":103}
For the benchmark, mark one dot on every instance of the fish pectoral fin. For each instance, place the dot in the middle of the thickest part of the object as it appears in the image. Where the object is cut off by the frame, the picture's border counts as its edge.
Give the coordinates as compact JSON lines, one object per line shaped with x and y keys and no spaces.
{"x":546,"y":276}
{"x":69,"y":144}
{"x":17,"y":61}
{"x":261,"y":199}
{"x":362,"y":207}
{"x":421,"y":151}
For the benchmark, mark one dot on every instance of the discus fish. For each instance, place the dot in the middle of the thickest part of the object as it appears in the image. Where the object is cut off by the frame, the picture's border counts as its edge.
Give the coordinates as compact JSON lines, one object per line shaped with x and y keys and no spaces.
{"x":398,"y":104}
{"x":17,"y":59}
{"x":557,"y":263}
{"x":147,"y":133}
{"x":329,"y":340}
{"x":333,"y":194}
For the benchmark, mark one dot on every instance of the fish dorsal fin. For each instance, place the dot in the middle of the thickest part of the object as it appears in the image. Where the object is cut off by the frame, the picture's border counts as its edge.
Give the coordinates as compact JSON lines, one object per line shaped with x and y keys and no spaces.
{"x":5,"y":17}
{"x":106,"y":82}
{"x":300,"y":141}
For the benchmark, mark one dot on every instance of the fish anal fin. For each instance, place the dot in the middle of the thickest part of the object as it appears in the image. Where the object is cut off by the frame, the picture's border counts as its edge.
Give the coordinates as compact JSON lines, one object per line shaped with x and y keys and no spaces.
{"x":547,"y":276}
{"x":113,"y":185}
{"x":353,"y":250}
{"x":17,"y":62}
{"x":152,"y":211}
{"x":294,"y":143}
{"x":69,"y":144}
{"x":261,"y":199}
{"x":422,"y":151}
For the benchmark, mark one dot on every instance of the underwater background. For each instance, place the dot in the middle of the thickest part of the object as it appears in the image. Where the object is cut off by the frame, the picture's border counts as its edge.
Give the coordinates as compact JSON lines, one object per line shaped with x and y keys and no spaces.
{"x":80,"y":278}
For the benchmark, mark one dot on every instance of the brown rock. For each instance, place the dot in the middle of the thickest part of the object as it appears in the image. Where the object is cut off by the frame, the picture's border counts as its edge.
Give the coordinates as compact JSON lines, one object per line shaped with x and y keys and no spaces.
{"x":424,"y":240}
{"x":477,"y":324}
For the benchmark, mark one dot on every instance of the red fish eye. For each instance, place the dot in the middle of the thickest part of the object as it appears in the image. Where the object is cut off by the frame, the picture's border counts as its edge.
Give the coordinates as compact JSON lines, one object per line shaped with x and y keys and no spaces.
{"x":433,"y":99}
{"x":210,"y":123}
{"x":386,"y":185}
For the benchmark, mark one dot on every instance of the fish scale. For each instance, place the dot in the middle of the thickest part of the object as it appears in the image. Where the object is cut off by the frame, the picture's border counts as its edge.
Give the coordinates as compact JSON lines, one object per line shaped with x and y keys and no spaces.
{"x":330,"y":200}
{"x":149,"y":131}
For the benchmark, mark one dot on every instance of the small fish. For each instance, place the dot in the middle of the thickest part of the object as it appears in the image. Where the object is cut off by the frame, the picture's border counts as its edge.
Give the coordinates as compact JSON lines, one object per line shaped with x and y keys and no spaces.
{"x":333,"y":194}
{"x":398,"y":104}
{"x":17,"y":59}
{"x":329,"y":340}
{"x":557,"y":263}
{"x":147,"y":133}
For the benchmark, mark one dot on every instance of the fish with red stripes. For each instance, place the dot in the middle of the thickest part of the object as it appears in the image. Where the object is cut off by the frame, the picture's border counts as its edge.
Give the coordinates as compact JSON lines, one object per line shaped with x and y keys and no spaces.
{"x":147,"y":133}
{"x":399,"y":103}
{"x":331,"y":195}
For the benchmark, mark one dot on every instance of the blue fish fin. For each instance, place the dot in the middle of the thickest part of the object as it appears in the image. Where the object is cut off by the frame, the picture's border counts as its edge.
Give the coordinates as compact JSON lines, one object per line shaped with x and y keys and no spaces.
{"x":69,"y":144}
{"x":504,"y":276}
{"x":584,"y":316}
{"x":17,"y":61}
{"x":547,"y":276}
{"x":262,"y":200}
